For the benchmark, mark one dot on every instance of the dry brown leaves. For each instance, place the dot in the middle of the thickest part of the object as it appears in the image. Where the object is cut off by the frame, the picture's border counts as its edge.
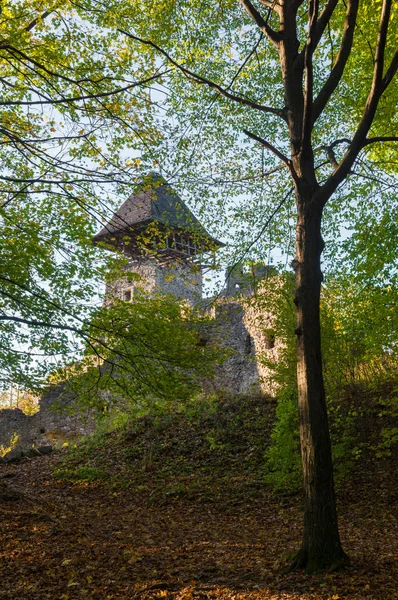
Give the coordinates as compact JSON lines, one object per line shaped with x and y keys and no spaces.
{"x":70,"y":541}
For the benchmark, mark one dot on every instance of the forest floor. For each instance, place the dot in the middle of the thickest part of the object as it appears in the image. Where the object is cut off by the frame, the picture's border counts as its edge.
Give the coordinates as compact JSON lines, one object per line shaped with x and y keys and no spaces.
{"x":178,"y":510}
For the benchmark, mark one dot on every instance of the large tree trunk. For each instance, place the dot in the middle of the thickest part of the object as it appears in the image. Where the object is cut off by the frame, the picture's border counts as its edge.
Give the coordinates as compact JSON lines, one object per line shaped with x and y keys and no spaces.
{"x":321,"y":546}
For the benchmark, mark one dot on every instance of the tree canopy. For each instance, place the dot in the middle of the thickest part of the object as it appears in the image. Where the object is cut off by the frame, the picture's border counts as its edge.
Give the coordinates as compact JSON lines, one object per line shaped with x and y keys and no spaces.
{"x":69,"y":91}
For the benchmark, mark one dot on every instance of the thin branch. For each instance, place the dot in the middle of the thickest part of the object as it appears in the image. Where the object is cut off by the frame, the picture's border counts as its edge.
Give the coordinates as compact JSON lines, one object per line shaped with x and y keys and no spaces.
{"x":245,"y":61}
{"x":272,"y":148}
{"x":266,"y":224}
{"x":324,"y":20}
{"x":256,"y":239}
{"x":331,"y":156}
{"x":380,"y":49}
{"x":391,"y":71}
{"x":367,"y":142}
{"x":86,"y":97}
{"x":204,"y":81}
{"x":35,"y":21}
{"x":377,"y":89}
{"x":272,"y":4}
{"x":36,"y":323}
{"x":19,"y":55}
{"x":274,"y":36}
{"x":309,"y":74}
{"x":378,"y":139}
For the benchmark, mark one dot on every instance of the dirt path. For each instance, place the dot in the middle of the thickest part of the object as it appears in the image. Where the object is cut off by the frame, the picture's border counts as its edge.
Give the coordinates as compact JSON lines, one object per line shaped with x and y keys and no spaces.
{"x":65,"y":541}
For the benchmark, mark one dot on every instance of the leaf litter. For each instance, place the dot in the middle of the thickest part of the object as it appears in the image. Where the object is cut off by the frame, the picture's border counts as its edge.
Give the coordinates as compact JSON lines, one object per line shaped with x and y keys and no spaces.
{"x":190,"y":523}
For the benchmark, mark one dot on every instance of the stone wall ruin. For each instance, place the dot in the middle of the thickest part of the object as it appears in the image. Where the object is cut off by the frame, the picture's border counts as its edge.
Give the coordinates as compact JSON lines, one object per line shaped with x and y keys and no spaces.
{"x":236,"y":324}
{"x":50,"y":425}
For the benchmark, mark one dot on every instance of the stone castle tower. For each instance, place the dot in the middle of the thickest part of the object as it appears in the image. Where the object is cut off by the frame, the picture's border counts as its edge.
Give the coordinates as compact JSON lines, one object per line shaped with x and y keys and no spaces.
{"x":163,"y":240}
{"x":165,"y":245}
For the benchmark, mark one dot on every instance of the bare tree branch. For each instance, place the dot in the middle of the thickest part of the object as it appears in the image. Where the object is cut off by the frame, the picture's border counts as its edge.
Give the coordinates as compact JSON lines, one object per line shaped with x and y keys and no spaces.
{"x":274,"y":36}
{"x":341,"y":60}
{"x":204,"y":81}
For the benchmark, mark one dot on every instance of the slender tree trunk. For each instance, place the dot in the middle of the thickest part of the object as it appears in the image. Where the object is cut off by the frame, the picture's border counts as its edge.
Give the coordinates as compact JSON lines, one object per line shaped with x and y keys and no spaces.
{"x":321,"y":547}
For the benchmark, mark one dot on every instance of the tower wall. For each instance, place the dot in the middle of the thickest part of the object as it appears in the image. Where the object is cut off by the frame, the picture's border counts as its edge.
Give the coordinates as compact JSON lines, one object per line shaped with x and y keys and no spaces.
{"x":244,"y":329}
{"x":181,"y":279}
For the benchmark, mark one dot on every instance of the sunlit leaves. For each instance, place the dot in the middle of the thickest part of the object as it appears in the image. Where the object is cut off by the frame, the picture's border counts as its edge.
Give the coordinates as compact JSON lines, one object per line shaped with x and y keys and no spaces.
{"x":146,"y":350}
{"x":67,"y":114}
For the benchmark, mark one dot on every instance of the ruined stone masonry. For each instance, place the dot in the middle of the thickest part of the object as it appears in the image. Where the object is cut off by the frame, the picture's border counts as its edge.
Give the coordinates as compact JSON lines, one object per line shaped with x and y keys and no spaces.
{"x":165,"y":243}
{"x":165,"y":246}
{"x":50,"y":425}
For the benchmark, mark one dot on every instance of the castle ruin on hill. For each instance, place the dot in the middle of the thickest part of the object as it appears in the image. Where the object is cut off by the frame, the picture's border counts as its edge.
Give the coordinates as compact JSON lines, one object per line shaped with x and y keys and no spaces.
{"x":166,"y":248}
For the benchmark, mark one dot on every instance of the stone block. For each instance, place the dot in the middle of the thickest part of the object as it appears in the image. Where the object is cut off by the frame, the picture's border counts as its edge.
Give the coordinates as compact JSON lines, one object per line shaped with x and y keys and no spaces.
{"x":13,"y":455}
{"x":32,"y":452}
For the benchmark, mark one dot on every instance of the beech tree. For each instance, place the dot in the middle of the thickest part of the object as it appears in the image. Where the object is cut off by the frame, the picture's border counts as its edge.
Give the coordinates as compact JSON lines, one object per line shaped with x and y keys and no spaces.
{"x":72,"y":145}
{"x":313,"y":83}
{"x":68,"y":91}
{"x":196,"y":88}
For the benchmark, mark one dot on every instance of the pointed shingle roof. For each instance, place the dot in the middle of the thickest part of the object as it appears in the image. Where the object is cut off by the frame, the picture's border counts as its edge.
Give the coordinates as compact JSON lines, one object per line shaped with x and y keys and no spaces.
{"x":155,"y":201}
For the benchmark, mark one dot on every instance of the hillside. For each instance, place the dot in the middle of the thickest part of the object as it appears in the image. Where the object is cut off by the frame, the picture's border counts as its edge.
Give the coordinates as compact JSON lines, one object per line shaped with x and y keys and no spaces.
{"x":175,"y":506}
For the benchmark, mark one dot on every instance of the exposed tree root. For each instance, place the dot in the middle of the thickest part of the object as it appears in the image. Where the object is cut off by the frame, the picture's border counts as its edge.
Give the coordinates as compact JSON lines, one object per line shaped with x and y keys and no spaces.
{"x":303,"y":561}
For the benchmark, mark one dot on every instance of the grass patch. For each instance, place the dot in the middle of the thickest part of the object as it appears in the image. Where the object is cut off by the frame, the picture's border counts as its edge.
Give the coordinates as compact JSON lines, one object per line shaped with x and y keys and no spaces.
{"x":81,"y":473}
{"x":192,"y":452}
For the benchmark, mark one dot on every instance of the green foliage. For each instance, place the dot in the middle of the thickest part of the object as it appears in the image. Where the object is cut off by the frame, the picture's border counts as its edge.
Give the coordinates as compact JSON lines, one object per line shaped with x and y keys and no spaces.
{"x":214,"y":443}
{"x":68,"y":106}
{"x":115,"y":419}
{"x":358,"y":353}
{"x":201,"y":407}
{"x":388,"y":414}
{"x":389,"y":438}
{"x":81,"y":474}
{"x":359,"y":331}
{"x":63,"y":166}
{"x":235,"y":182}
{"x":193,"y":449}
{"x":283,"y":456}
{"x":346,"y":443}
{"x":142,"y":351}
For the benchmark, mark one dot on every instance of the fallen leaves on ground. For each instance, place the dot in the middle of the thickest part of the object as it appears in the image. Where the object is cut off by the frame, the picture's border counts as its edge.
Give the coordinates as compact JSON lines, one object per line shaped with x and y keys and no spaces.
{"x":71,"y":540}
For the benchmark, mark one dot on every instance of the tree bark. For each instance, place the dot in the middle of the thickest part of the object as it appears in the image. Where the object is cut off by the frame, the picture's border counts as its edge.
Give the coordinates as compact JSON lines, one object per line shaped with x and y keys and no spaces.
{"x":321,"y":547}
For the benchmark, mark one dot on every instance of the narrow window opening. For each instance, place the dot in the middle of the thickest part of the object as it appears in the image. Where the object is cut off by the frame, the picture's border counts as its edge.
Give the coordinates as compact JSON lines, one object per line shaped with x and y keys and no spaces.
{"x":269,"y":339}
{"x":127,"y":295}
